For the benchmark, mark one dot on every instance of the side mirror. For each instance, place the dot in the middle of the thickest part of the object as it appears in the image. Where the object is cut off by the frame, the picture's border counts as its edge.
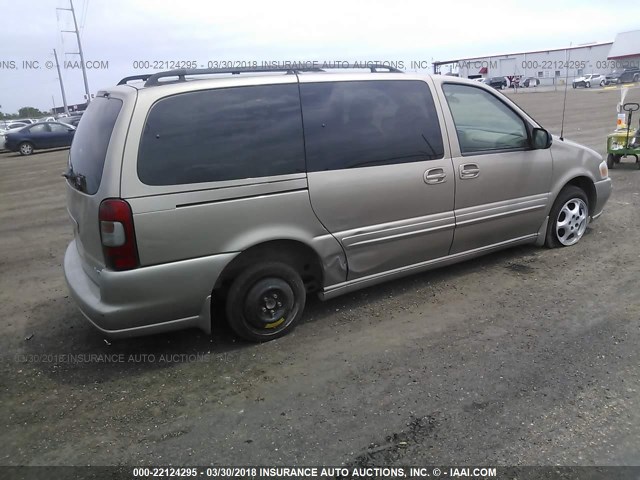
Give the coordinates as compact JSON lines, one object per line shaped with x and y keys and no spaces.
{"x":541,"y":139}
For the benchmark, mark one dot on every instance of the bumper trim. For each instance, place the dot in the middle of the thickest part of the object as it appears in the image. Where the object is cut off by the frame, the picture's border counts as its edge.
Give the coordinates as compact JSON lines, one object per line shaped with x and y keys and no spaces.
{"x":146,"y":300}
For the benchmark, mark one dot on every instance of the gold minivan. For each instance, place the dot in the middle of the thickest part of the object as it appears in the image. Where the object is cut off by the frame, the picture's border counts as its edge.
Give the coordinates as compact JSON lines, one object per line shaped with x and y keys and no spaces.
{"x":261,"y":187}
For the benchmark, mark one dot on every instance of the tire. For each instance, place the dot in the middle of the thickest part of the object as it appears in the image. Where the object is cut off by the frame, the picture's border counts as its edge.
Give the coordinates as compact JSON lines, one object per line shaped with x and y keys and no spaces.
{"x":568,"y":219}
{"x":25,"y":148}
{"x":587,"y":85}
{"x":611,"y":161}
{"x":602,"y":83}
{"x":265,"y":301}
{"x":574,"y":85}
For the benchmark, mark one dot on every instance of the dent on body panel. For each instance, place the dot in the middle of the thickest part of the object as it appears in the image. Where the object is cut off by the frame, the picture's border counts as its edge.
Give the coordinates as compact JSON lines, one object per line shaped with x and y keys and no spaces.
{"x":234,"y":226}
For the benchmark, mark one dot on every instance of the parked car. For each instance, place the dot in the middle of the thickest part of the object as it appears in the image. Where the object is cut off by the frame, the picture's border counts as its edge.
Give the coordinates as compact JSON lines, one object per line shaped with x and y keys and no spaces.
{"x":71,"y":120}
{"x":613,"y":77}
{"x":496,"y":82}
{"x":39,"y":136}
{"x":24,"y":120}
{"x":185,"y":193}
{"x":626,"y":75}
{"x":15,"y":125}
{"x":530,"y":82}
{"x":629,"y":75}
{"x":589,"y":79}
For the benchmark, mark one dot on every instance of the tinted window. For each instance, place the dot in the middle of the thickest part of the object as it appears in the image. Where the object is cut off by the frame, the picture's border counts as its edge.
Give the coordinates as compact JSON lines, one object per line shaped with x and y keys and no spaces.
{"x":57,"y":128}
{"x":39,"y":128}
{"x":90,"y":142}
{"x":223,"y":134}
{"x":368,"y":123}
{"x":483,"y":122}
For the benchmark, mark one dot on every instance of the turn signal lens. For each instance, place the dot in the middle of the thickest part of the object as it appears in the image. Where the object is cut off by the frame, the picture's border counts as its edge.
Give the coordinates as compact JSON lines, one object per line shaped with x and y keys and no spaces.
{"x":604,"y":170}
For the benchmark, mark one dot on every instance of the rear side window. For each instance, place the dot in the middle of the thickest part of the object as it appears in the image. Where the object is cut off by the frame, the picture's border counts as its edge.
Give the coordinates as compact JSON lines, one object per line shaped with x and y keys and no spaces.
{"x":223,"y":134}
{"x":369,"y":123}
{"x":91,"y":140}
{"x":39,"y":128}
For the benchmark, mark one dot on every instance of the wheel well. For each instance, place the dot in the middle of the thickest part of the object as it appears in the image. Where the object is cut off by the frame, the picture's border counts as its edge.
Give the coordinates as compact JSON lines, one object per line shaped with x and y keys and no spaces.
{"x":297,"y":254}
{"x":587,"y":186}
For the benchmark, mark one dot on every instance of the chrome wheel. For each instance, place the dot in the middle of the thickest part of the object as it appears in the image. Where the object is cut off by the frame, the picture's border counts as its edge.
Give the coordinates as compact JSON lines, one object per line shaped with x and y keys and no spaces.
{"x":26,"y":148}
{"x":571,"y":222}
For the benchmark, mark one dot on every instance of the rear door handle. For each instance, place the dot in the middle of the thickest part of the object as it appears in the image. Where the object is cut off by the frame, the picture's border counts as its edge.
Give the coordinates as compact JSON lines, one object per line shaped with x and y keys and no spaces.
{"x":433,"y":176}
{"x":469,"y":170}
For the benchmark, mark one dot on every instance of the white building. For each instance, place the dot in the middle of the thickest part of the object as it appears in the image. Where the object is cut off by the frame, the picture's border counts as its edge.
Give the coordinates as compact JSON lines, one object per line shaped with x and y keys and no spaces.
{"x":551,"y":66}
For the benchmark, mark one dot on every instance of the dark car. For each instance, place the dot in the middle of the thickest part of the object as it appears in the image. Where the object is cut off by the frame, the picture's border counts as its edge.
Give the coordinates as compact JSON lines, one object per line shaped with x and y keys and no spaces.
{"x":623,"y":76}
{"x":496,"y":82}
{"x":630,"y":75}
{"x":38,"y":136}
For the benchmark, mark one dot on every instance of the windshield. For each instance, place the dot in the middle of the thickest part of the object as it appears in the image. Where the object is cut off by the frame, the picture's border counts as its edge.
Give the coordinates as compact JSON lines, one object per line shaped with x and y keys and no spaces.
{"x":89,"y":147}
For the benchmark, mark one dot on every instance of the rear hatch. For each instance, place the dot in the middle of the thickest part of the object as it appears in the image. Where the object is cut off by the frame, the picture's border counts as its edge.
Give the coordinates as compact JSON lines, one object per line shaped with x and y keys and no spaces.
{"x":93,"y":174}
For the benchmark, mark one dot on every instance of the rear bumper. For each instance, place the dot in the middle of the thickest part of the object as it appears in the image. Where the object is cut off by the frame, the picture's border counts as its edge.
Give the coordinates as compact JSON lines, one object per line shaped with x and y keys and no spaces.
{"x":9,"y":145}
{"x":146,"y":300}
{"x":603,"y":192}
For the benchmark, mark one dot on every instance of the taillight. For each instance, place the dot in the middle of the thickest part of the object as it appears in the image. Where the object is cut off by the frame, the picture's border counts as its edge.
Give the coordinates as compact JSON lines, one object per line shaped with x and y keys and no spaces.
{"x":117,"y":234}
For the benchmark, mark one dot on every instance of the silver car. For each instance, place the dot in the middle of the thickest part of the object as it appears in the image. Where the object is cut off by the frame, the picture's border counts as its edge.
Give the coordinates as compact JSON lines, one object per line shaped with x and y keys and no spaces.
{"x":258,"y":188}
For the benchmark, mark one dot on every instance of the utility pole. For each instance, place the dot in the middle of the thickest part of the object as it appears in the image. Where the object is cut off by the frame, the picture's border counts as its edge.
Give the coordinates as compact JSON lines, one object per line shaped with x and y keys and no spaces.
{"x":64,"y":97}
{"x":79,"y":52}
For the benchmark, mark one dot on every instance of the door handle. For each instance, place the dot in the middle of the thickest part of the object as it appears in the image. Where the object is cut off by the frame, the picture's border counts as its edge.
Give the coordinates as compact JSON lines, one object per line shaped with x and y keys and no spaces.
{"x":469,"y":170}
{"x":433,"y":176}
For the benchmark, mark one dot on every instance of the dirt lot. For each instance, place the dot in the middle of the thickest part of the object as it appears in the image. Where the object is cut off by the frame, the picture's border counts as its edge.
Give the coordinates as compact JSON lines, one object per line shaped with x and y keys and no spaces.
{"x":525,"y":357}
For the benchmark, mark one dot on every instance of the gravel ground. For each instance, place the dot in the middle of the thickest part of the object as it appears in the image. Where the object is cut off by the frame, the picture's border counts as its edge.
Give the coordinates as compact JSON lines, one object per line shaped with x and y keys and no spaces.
{"x":524,"y":357}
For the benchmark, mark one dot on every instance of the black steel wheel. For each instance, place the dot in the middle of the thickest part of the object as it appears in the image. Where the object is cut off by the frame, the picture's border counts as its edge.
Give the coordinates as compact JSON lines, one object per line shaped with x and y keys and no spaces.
{"x":265,"y":301}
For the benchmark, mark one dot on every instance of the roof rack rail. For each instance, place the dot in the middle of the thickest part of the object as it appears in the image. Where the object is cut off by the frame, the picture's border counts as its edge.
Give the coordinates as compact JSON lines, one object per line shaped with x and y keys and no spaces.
{"x":154,"y":79}
{"x":126,"y":80}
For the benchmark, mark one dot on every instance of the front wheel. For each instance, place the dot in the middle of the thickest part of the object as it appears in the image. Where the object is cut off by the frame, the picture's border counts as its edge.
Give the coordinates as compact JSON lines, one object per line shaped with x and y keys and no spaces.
{"x":611,"y":161}
{"x":265,"y":301}
{"x":25,"y":148}
{"x":568,"y":218}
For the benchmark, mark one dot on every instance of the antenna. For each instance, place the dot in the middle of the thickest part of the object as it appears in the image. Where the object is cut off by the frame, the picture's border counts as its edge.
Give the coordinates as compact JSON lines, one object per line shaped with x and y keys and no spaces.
{"x":566,"y":84}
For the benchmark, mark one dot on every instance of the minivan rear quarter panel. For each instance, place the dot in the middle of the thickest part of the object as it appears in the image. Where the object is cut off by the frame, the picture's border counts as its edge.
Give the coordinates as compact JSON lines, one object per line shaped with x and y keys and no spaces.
{"x":189,"y":220}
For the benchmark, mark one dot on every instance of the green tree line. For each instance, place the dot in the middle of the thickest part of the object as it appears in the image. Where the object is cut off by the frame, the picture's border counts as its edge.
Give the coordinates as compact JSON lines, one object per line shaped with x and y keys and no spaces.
{"x":24,"y":112}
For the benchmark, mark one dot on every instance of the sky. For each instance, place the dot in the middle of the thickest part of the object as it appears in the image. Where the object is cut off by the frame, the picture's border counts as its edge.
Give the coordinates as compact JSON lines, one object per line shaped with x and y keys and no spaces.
{"x":120,"y":36}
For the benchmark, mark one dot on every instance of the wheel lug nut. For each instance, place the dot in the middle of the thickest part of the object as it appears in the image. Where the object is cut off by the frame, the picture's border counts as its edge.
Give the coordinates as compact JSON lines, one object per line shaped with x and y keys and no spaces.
{"x":279,"y":304}
{"x":275,"y":295}
{"x":264,"y":310}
